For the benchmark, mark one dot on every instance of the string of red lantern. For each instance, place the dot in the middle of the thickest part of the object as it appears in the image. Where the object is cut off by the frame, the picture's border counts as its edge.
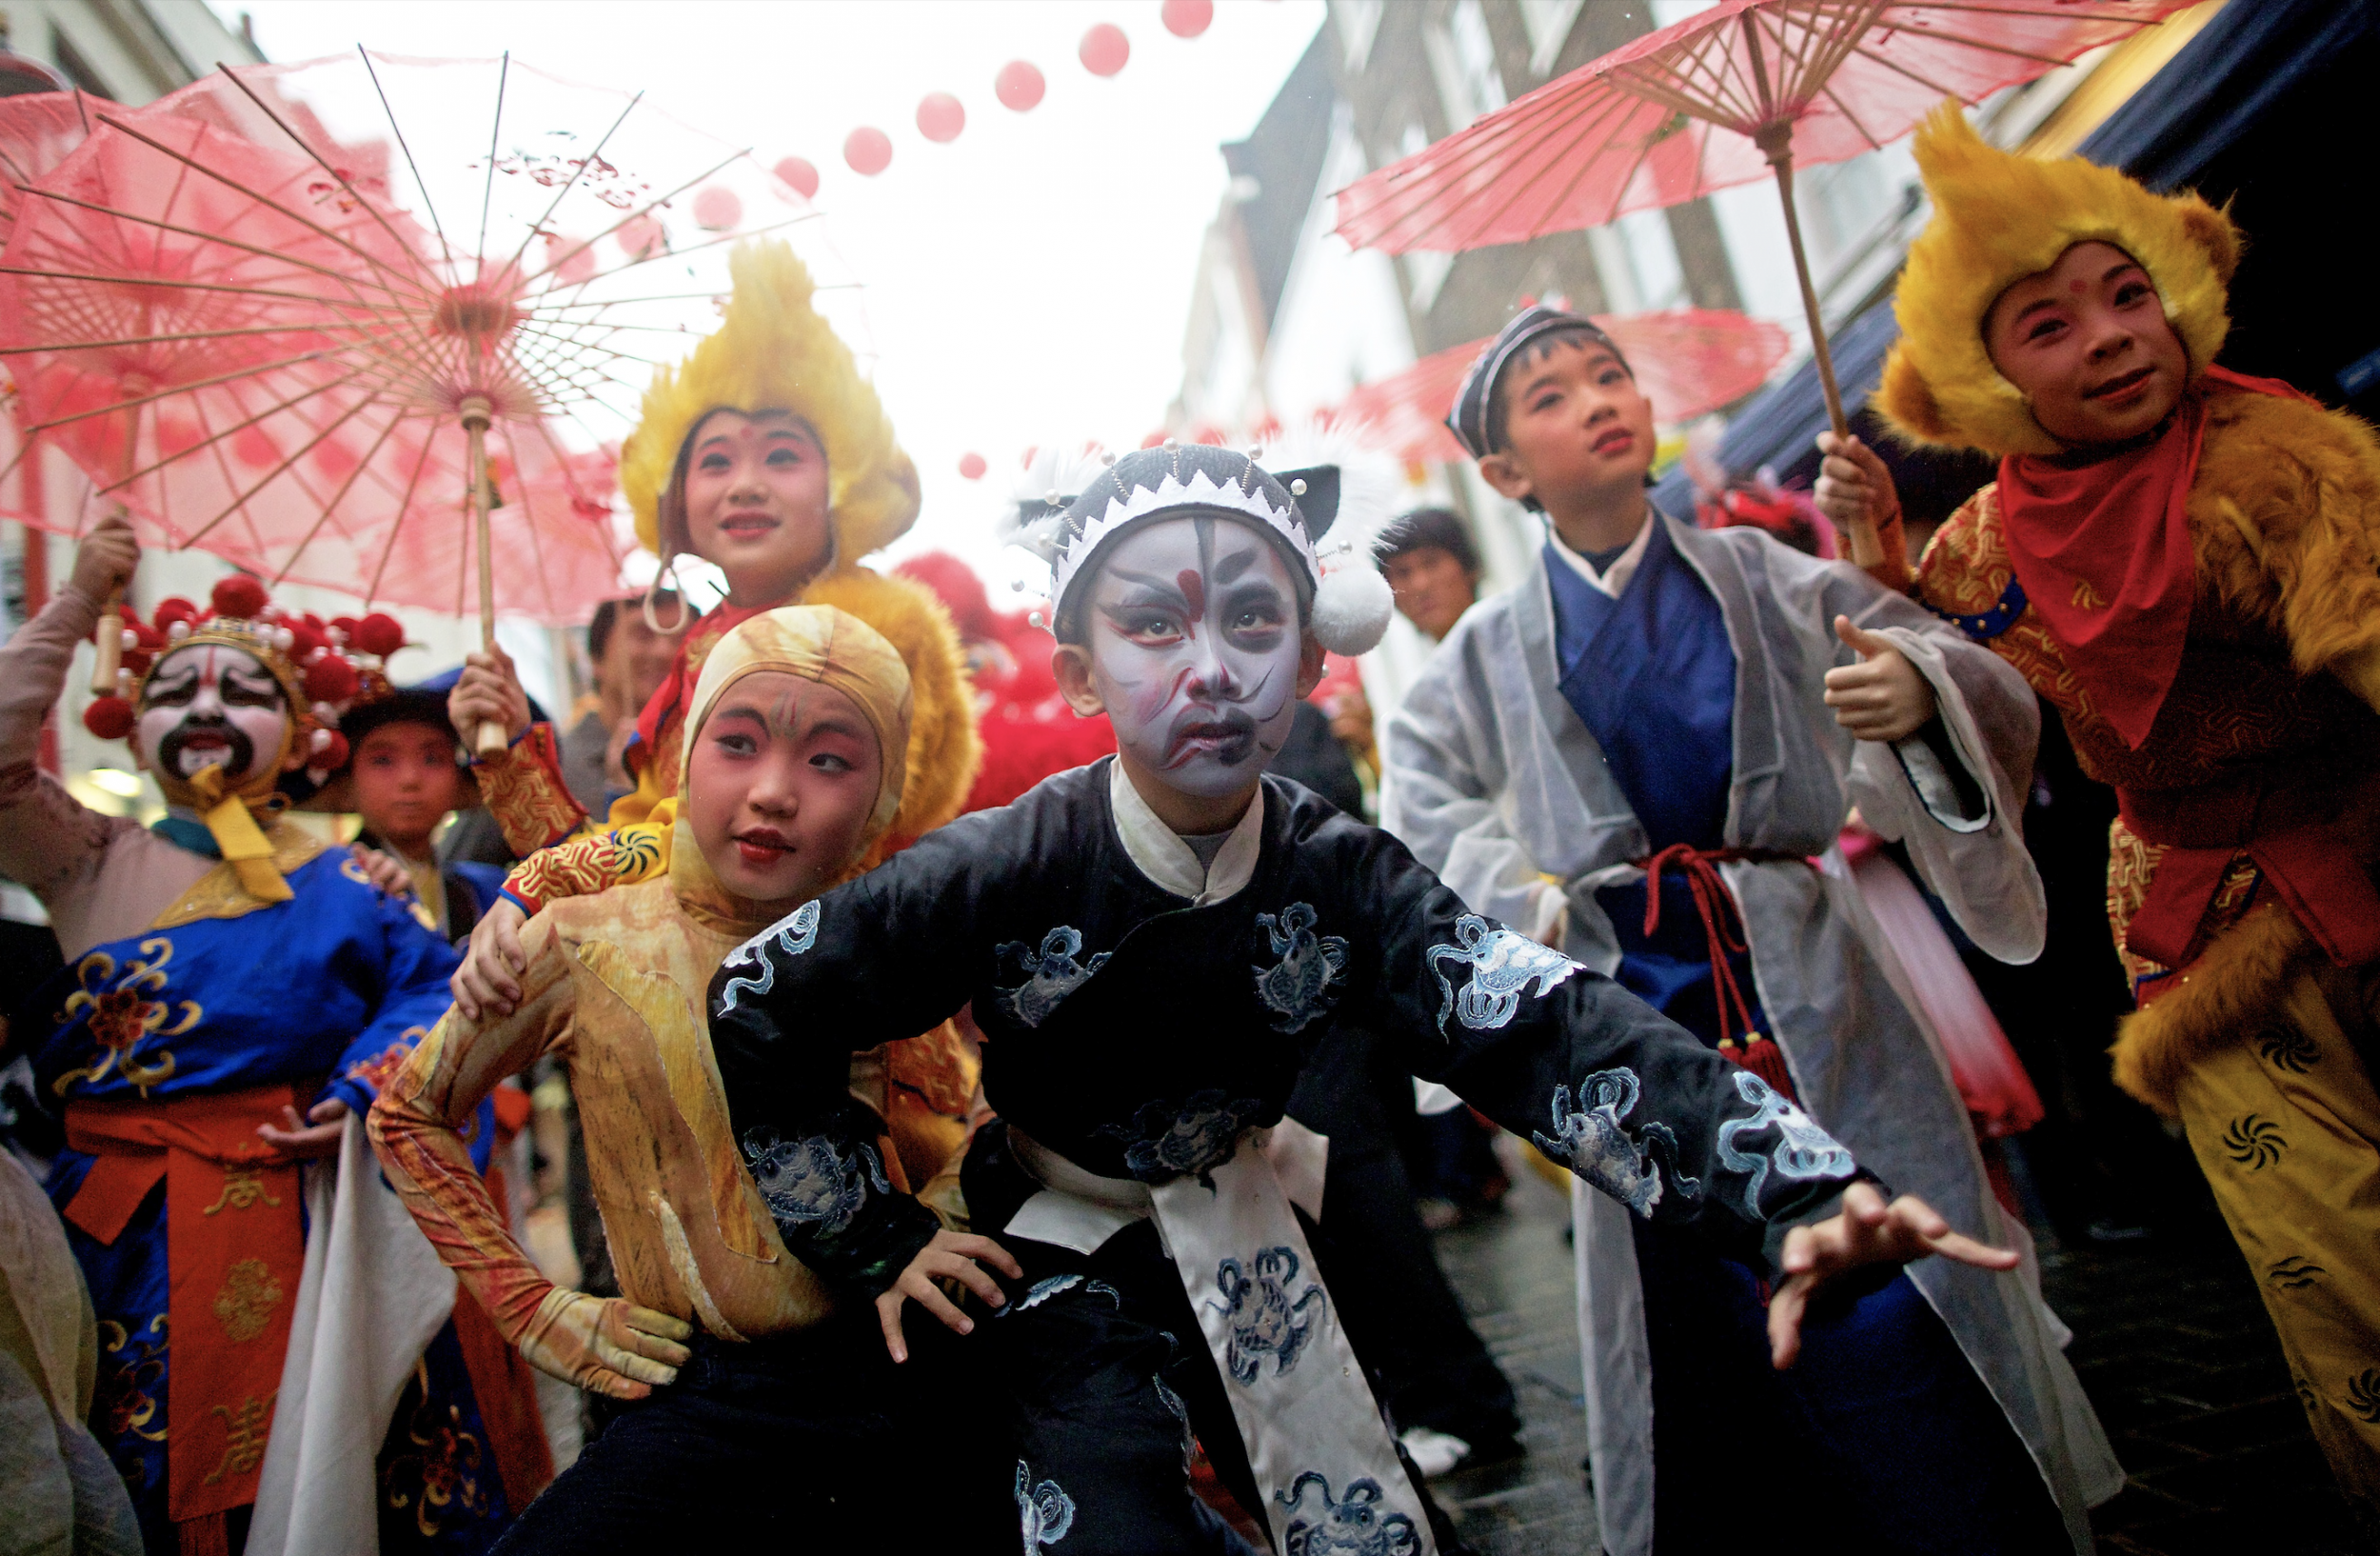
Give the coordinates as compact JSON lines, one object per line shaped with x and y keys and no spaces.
{"x":1105,"y":50}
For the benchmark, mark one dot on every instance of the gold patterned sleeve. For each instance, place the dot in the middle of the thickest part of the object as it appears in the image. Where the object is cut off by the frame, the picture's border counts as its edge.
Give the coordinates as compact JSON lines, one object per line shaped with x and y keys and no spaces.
{"x":523,"y":790}
{"x":416,"y":1128}
{"x":591,"y":862}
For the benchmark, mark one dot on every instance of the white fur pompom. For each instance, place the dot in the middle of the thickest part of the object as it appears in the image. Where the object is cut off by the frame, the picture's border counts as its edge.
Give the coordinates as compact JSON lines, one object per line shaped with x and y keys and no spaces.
{"x":1352,"y":606}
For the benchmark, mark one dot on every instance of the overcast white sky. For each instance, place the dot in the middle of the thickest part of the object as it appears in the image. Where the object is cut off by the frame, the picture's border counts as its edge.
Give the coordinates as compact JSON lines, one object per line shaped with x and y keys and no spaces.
{"x":1029,"y":280}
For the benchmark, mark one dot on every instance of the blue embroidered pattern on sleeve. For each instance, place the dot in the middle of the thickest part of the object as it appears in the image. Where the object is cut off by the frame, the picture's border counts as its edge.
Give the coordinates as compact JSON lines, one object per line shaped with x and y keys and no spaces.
{"x":1058,"y":1285}
{"x":1503,"y":963}
{"x":1164,"y":1142}
{"x":1262,"y":1319}
{"x":1599,"y":1148}
{"x":810,"y":1182}
{"x":1802,"y":1150}
{"x":797,"y":932}
{"x":1045,"y":1512}
{"x":1051,"y":973}
{"x":1354,"y":1524}
{"x":1298,"y":987}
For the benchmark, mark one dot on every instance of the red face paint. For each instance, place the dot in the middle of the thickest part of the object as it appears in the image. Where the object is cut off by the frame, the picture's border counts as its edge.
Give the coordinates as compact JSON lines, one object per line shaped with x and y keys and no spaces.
{"x":1193,"y":588}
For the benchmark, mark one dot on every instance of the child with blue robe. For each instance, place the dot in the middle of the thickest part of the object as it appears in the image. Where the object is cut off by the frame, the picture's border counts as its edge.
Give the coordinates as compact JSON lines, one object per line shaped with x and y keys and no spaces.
{"x":1642,"y":755}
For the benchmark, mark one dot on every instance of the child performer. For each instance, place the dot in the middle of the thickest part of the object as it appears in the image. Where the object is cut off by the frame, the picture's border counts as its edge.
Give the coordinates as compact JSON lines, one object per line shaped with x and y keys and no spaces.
{"x":2181,"y":560}
{"x":405,"y":770}
{"x":225,"y":972}
{"x":766,"y":454}
{"x":758,"y":1403}
{"x":1153,"y":945}
{"x":1631,"y":755}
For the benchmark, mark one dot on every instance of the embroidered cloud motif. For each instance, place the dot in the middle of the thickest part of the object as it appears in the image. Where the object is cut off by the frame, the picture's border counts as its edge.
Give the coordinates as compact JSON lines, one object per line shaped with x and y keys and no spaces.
{"x":1298,"y":987}
{"x":1591,"y":1138}
{"x":1261,"y":1318}
{"x":1354,"y":1524}
{"x":810,"y":1182}
{"x":795,"y":935}
{"x":1044,"y":1511}
{"x":1051,"y":973}
{"x":1802,"y":1149}
{"x":1164,"y":1142}
{"x":1503,"y":964}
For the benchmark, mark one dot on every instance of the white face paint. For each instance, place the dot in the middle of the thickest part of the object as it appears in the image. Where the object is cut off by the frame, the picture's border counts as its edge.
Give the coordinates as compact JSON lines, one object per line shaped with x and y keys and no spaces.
{"x":210,"y":704}
{"x":1192,"y":626}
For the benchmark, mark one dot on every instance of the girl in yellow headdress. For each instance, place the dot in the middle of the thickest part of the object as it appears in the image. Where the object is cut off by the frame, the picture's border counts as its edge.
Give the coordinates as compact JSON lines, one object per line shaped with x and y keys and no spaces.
{"x":768,"y":455}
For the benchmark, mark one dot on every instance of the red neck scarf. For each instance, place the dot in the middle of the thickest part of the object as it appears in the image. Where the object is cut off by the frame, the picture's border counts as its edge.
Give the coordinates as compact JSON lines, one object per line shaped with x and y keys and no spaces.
{"x":684,"y":672}
{"x":2103,"y":552}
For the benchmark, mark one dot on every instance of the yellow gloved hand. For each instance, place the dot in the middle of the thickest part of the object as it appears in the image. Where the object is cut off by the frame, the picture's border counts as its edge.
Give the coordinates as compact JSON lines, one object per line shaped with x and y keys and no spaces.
{"x":606,"y":1344}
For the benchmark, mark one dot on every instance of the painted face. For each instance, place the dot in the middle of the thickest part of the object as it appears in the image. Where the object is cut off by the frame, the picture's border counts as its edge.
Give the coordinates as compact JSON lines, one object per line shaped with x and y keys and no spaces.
{"x":212,"y":705}
{"x":2087,"y":342}
{"x":405,"y":782}
{"x":780,"y":785}
{"x":756,"y":503}
{"x":1192,"y":628}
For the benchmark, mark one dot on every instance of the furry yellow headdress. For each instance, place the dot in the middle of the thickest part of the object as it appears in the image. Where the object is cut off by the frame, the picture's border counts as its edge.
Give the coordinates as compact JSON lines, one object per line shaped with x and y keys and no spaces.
{"x":772,"y":351}
{"x":1999,"y":218}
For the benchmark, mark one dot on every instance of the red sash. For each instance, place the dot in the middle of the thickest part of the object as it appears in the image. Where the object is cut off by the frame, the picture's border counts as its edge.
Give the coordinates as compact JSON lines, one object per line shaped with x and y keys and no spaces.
{"x":235,"y":1248}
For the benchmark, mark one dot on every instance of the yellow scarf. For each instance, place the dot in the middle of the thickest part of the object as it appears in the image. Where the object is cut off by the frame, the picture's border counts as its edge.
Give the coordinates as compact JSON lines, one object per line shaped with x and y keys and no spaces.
{"x":231,"y":822}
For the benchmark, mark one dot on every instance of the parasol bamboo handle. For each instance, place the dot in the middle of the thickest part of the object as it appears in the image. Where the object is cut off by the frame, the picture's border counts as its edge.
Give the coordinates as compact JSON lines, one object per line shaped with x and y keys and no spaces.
{"x":108,"y":641}
{"x":1867,"y":550}
{"x":491,"y":738}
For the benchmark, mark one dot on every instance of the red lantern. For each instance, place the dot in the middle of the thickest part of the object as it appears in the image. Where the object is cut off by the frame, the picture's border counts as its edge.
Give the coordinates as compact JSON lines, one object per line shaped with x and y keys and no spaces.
{"x":717,"y":209}
{"x":941,"y":117}
{"x":972,"y":466}
{"x":1105,"y":49}
{"x":1018,"y":86}
{"x":798,"y":176}
{"x":1187,"y":18}
{"x":868,"y":151}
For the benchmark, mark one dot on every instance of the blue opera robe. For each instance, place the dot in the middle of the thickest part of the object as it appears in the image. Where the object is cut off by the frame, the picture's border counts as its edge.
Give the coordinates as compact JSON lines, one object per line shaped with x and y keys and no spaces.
{"x":327,"y":989}
{"x":1653,"y":678}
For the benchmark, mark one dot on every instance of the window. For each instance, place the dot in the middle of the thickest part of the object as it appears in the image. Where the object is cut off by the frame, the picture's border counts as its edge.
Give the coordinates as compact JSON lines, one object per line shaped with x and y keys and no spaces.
{"x":1359,"y":24}
{"x":1463,"y":57}
{"x":1547,"y":23}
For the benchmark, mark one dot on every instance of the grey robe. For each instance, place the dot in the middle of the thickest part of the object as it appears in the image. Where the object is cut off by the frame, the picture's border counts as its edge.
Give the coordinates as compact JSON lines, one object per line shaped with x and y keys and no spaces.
{"x":1493,"y":781}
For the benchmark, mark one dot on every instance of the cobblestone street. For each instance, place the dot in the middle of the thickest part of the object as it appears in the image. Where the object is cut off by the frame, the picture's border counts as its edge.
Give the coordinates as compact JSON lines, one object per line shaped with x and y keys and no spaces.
{"x":2169,"y":1340}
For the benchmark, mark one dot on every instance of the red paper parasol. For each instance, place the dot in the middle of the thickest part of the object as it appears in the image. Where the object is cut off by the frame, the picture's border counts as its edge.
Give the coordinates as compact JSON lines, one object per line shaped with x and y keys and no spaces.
{"x":1689,"y":361}
{"x":320,"y":321}
{"x":37,"y":130}
{"x":1713,"y":101}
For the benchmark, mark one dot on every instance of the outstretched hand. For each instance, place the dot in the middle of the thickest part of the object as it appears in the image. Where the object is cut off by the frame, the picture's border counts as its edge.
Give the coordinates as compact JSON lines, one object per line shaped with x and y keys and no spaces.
{"x":1882,"y":697}
{"x":1865,"y":1231}
{"x":950,"y":1257}
{"x":487,"y":983}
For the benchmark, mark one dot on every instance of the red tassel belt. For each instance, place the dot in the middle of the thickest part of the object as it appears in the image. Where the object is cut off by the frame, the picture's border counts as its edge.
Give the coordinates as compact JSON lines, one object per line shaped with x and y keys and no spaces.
{"x":2289,"y":829}
{"x":1723,"y":933}
{"x":235,"y":1249}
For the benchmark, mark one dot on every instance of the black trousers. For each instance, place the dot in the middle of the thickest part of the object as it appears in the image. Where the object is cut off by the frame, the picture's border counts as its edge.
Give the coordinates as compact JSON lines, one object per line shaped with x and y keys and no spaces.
{"x":815,"y":1442}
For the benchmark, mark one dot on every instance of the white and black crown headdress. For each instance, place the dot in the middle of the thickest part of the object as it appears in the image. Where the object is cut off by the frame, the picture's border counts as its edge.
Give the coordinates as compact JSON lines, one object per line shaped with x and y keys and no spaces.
{"x":1324,"y":515}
